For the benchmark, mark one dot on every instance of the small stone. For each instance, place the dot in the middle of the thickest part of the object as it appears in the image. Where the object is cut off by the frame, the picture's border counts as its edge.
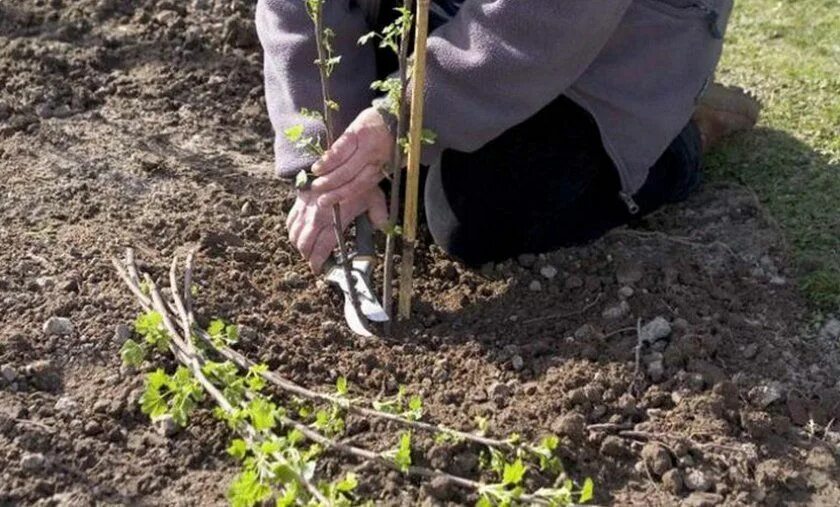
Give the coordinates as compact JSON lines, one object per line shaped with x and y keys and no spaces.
{"x":165,"y":425}
{"x":831,"y":329}
{"x":696,"y":480}
{"x":32,"y":461}
{"x":66,"y":404}
{"x":656,"y":370}
{"x":778,"y":280}
{"x":657,"y":329}
{"x":629,"y":273}
{"x":626,"y":292}
{"x":587,"y":332}
{"x":439,"y":488}
{"x":700,"y":499}
{"x":517,"y":362}
{"x":548,"y":271}
{"x":45,"y":282}
{"x":60,"y":326}
{"x":750,"y":351}
{"x":8,"y":373}
{"x":499,"y":392}
{"x":615,"y":447}
{"x":247,"y":209}
{"x":765,"y":395}
{"x":672,"y":481}
{"x":686,"y":461}
{"x":92,"y":427}
{"x":572,"y":425}
{"x":535,"y":286}
{"x":121,"y":333}
{"x":574,"y":282}
{"x":680,"y":325}
{"x":527,"y":260}
{"x":657,"y":458}
{"x":616,"y":311}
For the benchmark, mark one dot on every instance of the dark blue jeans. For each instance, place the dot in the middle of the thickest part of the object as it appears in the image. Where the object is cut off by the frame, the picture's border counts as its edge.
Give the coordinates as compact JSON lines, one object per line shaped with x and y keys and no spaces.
{"x":544,"y":184}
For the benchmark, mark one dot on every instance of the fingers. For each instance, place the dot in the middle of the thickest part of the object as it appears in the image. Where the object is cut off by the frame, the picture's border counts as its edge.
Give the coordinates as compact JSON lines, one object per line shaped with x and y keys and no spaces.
{"x":377,"y":209}
{"x":337,"y":155}
{"x":364,"y":182}
{"x":321,"y":249}
{"x":342,"y":174}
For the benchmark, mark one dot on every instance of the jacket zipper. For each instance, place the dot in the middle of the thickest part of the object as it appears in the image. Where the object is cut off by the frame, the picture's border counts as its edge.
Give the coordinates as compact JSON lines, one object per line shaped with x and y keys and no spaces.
{"x":632,"y":207}
{"x":712,"y":17}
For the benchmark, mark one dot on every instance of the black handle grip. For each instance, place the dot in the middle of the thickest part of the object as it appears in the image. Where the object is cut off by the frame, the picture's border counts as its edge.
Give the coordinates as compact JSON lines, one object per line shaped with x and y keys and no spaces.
{"x":364,"y":236}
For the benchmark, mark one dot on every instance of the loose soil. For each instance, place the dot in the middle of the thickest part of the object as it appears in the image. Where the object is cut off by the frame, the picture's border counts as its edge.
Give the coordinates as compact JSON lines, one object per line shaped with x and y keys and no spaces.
{"x":143,"y":124}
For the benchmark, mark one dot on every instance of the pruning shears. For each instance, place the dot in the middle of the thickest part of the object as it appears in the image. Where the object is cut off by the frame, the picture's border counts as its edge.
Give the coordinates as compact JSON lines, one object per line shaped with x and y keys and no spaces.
{"x":361,"y":266}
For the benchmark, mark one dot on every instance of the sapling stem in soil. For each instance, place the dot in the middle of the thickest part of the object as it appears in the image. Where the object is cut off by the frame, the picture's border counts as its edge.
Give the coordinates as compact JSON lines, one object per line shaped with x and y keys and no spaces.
{"x":401,"y":109}
{"x":325,"y":63}
{"x":415,"y":141}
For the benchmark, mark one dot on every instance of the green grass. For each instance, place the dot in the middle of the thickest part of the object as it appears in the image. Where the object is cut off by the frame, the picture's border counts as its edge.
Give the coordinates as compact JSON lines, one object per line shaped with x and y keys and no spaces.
{"x":788,"y":53}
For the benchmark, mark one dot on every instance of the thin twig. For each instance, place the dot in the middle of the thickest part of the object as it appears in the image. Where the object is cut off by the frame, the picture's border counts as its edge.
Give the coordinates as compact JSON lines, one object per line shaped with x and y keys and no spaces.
{"x":186,"y":355}
{"x":675,"y":239}
{"x":417,"y":471}
{"x":565,"y":315}
{"x":295,"y":389}
{"x":638,"y":368}
{"x":329,"y":128}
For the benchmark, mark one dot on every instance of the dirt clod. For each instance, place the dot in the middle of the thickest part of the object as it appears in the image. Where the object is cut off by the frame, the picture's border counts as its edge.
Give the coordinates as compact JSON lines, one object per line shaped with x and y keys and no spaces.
{"x":657,"y":458}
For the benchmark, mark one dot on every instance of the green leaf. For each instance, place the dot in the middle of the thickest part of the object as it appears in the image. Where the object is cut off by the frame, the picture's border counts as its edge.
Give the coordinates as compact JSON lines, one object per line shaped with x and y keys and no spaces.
{"x":588,"y":491}
{"x":238,"y":448}
{"x":294,"y":133}
{"x":247,"y":490}
{"x":348,"y":483}
{"x":152,"y":401}
{"x":341,"y":386}
{"x":150,"y":326}
{"x":261,"y":413}
{"x":302,"y":180}
{"x":132,"y":353}
{"x":513,"y":473}
{"x":216,"y":327}
{"x":403,"y":456}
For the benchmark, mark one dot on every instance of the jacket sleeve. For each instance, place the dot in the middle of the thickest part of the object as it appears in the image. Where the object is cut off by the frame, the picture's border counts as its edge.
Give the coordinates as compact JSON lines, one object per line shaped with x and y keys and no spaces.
{"x":291,"y":77}
{"x":498,"y":62}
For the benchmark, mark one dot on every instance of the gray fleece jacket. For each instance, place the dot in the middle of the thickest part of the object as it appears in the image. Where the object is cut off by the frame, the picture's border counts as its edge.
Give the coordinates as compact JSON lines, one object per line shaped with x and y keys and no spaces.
{"x":638,"y":66}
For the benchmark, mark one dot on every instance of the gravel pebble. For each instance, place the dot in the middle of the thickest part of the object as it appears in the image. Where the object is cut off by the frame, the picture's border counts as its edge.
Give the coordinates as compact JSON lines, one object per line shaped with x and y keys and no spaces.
{"x":616,"y":311}
{"x":572,"y":425}
{"x":535,"y":286}
{"x":672,"y":481}
{"x":696,"y":480}
{"x":656,"y":329}
{"x":60,"y":326}
{"x":517,"y":362}
{"x":8,"y":373}
{"x":657,"y":458}
{"x":766,"y":395}
{"x":549,"y":272}
{"x":166,"y":426}
{"x":32,"y":461}
{"x":831,"y":329}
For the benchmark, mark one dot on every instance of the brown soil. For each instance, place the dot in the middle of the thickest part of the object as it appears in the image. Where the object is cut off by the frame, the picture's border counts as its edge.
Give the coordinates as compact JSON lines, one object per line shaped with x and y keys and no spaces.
{"x":143,"y":124}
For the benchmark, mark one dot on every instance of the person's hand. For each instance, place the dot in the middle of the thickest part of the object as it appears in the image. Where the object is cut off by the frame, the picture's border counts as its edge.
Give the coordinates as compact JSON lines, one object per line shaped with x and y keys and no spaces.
{"x":355,"y":163}
{"x":310,"y":224}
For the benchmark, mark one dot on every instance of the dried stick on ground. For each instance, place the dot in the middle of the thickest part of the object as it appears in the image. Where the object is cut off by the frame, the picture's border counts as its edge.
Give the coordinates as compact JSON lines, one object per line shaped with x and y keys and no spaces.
{"x":396,"y":180}
{"x":187,"y":355}
{"x":413,"y":164}
{"x":293,"y":388}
